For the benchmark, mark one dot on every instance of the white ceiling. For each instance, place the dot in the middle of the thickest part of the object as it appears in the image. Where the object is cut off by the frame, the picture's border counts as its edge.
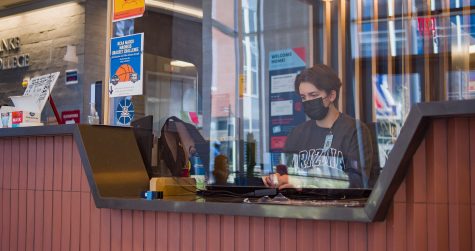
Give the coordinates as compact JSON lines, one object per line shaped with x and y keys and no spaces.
{"x":12,"y":3}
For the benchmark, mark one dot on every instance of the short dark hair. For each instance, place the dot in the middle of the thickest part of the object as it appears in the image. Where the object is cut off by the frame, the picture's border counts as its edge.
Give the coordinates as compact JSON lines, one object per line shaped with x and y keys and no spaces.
{"x":322,"y":77}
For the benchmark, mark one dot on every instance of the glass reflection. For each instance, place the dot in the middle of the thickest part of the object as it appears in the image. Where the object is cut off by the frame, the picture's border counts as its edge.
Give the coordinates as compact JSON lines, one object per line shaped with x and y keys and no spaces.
{"x":245,"y":56}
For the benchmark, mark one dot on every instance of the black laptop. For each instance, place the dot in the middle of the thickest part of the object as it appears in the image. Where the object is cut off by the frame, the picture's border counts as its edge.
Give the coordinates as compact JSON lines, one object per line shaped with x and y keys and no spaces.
{"x":291,"y":193}
{"x":326,"y":193}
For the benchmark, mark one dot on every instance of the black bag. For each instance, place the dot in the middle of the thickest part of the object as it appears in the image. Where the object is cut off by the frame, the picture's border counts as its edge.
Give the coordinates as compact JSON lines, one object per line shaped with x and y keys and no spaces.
{"x":178,"y":141}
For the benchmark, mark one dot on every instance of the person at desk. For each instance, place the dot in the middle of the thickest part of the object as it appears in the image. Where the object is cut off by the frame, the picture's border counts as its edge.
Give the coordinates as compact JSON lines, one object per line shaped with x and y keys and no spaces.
{"x":330,"y":144}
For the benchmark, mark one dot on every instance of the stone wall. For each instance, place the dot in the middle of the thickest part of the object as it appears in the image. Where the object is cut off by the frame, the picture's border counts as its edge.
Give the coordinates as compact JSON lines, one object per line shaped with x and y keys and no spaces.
{"x":95,"y":48}
{"x":45,"y":35}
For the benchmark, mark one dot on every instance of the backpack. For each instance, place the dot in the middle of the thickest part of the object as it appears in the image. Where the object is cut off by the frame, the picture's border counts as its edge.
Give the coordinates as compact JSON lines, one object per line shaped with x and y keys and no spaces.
{"x":179,"y":141}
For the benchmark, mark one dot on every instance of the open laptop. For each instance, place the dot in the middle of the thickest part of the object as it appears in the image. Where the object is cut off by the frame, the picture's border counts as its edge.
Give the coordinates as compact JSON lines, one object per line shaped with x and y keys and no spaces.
{"x":326,"y":193}
{"x":232,"y":190}
{"x":291,"y":193}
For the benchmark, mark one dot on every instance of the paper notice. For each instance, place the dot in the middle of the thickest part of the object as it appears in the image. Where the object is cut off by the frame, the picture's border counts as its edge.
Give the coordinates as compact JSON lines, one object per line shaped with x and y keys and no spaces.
{"x":281,"y":108}
{"x":283,"y":83}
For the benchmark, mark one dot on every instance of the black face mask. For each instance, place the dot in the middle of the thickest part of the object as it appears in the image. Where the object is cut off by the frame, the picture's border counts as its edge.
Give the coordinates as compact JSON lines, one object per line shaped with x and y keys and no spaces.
{"x":315,"y":109}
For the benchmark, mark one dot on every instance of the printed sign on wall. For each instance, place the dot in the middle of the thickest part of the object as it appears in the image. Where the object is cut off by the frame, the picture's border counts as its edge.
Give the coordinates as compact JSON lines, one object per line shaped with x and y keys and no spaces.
{"x":285,"y":105}
{"x":125,"y":112}
{"x":126,"y":66}
{"x":72,"y":77}
{"x":71,"y":117}
{"x":126,"y":9}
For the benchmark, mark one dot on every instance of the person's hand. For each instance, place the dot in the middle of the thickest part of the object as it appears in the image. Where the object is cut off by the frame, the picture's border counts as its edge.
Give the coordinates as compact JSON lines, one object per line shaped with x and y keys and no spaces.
{"x":276,"y":180}
{"x":267,"y":181}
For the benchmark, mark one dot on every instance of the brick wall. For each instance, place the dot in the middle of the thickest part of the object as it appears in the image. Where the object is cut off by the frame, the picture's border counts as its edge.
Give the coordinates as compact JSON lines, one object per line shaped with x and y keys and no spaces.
{"x":46,"y":204}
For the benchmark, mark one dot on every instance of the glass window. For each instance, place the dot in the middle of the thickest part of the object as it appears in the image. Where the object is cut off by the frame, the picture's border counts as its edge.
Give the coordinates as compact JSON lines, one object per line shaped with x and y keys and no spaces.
{"x":232,"y":71}
{"x":33,"y":44}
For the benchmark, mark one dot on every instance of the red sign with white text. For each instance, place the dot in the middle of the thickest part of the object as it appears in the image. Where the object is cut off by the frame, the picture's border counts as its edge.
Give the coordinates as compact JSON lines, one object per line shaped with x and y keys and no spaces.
{"x":71,"y":117}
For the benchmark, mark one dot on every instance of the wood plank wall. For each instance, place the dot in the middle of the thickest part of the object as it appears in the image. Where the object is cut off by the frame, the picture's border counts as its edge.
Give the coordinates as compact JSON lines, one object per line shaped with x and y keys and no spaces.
{"x":52,"y":208}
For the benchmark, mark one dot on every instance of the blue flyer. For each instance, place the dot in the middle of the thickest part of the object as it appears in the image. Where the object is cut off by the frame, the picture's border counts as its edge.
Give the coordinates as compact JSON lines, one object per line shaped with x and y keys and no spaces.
{"x":126,"y":66}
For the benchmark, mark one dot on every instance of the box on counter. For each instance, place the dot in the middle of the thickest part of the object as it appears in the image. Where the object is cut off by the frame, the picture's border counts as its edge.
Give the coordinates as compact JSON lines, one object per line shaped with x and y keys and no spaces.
{"x":173,"y":186}
{"x":24,"y":118}
{"x":14,"y":117}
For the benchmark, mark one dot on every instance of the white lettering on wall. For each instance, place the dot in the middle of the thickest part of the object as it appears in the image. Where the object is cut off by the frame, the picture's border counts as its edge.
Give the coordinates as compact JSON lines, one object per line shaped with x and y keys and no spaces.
{"x":9,"y":46}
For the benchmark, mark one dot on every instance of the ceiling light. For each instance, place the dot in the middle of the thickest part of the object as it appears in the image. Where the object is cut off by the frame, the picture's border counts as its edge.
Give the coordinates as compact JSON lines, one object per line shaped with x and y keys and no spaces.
{"x":178,"y":63}
{"x":174,"y":7}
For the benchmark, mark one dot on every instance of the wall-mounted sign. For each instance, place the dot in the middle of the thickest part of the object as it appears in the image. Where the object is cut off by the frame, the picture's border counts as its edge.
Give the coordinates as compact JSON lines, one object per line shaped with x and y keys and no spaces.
{"x":126,"y":57}
{"x":71,"y":77}
{"x":9,"y":46}
{"x":126,"y":9}
{"x":426,"y":25}
{"x":285,"y":106}
{"x":124,"y":112}
{"x":71,"y":117}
